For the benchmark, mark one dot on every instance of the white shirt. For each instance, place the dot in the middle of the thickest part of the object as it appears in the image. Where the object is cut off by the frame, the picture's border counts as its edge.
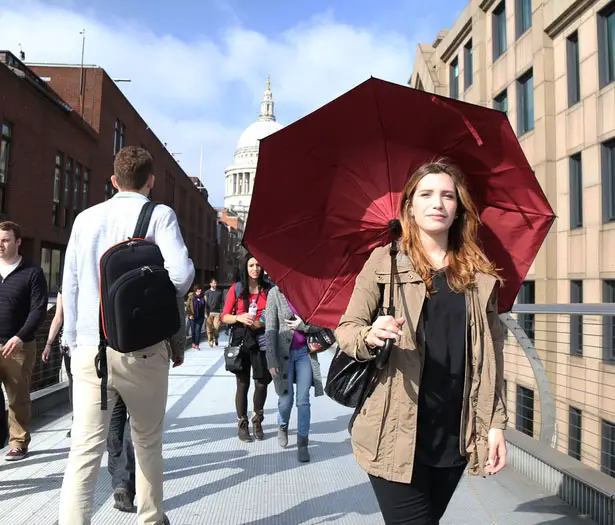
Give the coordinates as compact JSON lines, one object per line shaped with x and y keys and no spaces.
{"x":8,"y":269}
{"x":95,"y":231}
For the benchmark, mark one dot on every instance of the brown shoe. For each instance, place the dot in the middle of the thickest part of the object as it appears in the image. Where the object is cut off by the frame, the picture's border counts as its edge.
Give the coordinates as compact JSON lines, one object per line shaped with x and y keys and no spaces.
{"x":16,"y":454}
{"x":243,"y":432}
{"x":257,"y":425}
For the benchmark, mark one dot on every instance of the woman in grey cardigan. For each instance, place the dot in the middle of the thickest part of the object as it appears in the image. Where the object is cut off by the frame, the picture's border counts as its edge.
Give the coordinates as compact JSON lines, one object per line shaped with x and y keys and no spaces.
{"x":290,"y":362}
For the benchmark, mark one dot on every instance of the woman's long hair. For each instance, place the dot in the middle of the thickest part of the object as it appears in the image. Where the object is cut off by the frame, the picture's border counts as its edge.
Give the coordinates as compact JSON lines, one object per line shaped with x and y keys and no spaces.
{"x":244,"y":278}
{"x":465,"y":257}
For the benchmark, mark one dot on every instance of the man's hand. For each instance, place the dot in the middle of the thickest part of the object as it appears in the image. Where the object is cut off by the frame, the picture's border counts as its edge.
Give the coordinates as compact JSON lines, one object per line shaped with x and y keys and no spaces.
{"x":274,"y":372}
{"x":385,"y":327}
{"x":14,"y":344}
{"x":294,"y":323}
{"x":178,"y":361}
{"x":497,"y":451}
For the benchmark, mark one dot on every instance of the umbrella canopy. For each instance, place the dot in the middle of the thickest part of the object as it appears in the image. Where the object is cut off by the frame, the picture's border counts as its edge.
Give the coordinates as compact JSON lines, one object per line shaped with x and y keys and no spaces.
{"x":327,"y":186}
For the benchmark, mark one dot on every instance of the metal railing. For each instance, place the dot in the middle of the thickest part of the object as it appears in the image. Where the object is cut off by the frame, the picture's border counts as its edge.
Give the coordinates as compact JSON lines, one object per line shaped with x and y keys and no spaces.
{"x":560,"y":392}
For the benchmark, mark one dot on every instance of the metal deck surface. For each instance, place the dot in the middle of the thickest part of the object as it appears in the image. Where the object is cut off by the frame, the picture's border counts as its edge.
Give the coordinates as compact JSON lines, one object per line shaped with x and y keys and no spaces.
{"x":212,"y":478}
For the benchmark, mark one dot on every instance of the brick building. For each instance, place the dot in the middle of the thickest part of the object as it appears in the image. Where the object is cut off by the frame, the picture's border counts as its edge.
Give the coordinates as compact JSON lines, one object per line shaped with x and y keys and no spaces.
{"x":105,"y":108}
{"x":54,"y":164}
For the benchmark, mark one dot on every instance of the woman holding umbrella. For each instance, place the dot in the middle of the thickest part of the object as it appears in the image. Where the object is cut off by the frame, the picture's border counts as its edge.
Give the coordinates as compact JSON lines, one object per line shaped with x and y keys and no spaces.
{"x":438,"y":405}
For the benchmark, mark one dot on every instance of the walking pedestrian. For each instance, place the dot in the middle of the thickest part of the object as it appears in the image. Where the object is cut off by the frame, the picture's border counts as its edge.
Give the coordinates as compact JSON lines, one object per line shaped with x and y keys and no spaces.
{"x":55,"y":332}
{"x":139,"y":377}
{"x":23,"y":308}
{"x":439,"y":399}
{"x":196,"y":307}
{"x":213,"y":305}
{"x":244,"y":307}
{"x":290,"y":362}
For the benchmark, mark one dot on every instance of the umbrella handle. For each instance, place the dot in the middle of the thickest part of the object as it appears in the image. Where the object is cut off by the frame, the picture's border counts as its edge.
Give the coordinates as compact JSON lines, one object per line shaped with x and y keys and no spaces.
{"x":383,"y":356}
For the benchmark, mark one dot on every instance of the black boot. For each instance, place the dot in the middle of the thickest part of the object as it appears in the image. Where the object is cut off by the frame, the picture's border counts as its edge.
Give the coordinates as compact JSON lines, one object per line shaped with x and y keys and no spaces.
{"x":302,"y":449}
{"x":243,"y":432}
{"x":257,"y":424}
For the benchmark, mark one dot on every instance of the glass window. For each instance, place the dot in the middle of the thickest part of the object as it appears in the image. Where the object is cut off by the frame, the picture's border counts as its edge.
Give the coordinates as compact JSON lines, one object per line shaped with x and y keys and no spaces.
{"x":574,"y":78}
{"x":608,"y":448}
{"x":608,"y":181}
{"x":527,"y":295}
{"x":51,"y":263}
{"x":606,"y":45}
{"x":68,"y":175}
{"x":57,"y":181}
{"x":576,"y":321}
{"x":523,"y":16}
{"x":608,"y":333}
{"x":525,"y":103}
{"x":525,"y":410}
{"x":454,"y":79}
{"x":5,"y":155}
{"x":77,"y":189}
{"x":576,"y":191}
{"x":575,"y":430}
{"x":86,"y":188}
{"x":501,"y":102}
{"x":468,"y":65}
{"x":499,"y":31}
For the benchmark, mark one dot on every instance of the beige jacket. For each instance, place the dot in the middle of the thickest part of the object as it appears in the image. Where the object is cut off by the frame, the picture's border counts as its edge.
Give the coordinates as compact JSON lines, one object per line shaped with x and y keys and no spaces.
{"x":384,"y":432}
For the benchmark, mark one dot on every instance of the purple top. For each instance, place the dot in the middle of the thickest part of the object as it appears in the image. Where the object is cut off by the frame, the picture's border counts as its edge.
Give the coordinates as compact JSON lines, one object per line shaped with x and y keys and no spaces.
{"x":299,"y":339}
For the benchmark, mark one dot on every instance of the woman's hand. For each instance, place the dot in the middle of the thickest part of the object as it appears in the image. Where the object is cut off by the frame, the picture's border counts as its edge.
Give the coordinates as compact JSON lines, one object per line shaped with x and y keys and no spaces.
{"x":46,"y":352}
{"x":294,"y":323}
{"x":385,"y":327}
{"x":497,"y":451}
{"x":246,"y":319}
{"x":274,"y":372}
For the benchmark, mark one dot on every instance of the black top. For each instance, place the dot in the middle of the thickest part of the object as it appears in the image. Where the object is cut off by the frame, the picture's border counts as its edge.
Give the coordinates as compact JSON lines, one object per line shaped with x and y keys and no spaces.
{"x":442,"y":383}
{"x":213,"y":298}
{"x":23,"y":302}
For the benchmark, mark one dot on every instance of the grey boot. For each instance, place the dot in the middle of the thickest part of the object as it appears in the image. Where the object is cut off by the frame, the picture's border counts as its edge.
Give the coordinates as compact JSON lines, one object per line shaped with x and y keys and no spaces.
{"x":302,"y":449}
{"x":283,"y":437}
{"x":164,"y":521}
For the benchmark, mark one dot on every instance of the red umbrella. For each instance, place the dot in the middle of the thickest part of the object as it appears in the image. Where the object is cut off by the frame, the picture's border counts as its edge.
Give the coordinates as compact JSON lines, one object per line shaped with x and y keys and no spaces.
{"x":327,"y":185}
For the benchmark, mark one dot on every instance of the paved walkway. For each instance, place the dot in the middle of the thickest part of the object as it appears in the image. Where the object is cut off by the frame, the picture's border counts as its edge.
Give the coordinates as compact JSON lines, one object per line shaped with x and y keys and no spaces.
{"x":212,"y":478}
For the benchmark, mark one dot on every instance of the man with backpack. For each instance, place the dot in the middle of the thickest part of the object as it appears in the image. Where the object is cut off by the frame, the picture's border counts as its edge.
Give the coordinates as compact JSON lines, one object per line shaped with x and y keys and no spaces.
{"x":126,"y":259}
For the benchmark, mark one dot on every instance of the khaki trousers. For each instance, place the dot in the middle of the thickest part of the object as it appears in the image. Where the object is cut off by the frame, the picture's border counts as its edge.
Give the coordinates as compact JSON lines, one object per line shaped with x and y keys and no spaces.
{"x":141,"y":378}
{"x":16,"y":375}
{"x":213,"y":327}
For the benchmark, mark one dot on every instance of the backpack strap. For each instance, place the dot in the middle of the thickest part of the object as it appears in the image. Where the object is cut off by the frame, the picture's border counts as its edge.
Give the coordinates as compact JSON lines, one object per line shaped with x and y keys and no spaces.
{"x":144,"y":220}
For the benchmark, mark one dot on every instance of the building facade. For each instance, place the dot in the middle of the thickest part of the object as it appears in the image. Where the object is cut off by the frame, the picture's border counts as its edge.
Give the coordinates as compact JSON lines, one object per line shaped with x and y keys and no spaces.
{"x":97,"y":98}
{"x":550,"y":65}
{"x":239,"y":175}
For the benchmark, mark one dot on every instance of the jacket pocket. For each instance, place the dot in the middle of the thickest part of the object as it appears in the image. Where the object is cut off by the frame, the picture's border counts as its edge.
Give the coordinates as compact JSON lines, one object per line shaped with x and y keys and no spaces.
{"x":367,"y":429}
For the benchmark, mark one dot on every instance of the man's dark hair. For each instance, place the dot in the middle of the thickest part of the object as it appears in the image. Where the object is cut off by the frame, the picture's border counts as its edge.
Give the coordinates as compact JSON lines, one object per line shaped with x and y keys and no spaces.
{"x":132,"y":167}
{"x":9,"y":226}
{"x":213,"y":280}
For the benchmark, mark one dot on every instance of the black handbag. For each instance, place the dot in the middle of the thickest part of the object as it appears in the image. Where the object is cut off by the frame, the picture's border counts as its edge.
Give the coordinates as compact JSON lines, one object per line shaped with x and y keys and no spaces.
{"x":233,"y":360}
{"x":351,"y":382}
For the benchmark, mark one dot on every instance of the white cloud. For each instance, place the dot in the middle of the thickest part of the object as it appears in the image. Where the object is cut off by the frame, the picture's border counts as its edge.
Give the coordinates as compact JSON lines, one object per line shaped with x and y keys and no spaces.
{"x":202,"y":94}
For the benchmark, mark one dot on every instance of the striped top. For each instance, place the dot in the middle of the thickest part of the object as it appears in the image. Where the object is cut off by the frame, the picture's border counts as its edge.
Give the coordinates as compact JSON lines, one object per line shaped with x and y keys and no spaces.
{"x":23,"y":302}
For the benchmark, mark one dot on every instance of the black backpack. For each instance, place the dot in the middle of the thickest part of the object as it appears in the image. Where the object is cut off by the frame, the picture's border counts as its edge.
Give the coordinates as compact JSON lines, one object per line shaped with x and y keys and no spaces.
{"x":138,"y":303}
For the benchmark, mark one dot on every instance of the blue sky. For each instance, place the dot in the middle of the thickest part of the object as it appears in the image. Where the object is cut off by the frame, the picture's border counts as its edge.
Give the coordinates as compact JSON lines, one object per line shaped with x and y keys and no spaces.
{"x":198,"y":68}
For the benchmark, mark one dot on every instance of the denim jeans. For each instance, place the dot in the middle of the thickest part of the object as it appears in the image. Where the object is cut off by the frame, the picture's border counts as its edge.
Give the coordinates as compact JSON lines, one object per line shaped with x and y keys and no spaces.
{"x":299,"y":371}
{"x":196,"y":325}
{"x":120,"y":449}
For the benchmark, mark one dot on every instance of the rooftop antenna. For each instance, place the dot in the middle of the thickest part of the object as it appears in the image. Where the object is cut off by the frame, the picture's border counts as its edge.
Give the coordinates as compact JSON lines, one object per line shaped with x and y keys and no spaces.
{"x":82,"y":78}
{"x":22,"y":55}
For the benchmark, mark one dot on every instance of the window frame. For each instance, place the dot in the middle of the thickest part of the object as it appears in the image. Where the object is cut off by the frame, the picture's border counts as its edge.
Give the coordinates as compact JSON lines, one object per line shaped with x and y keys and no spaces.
{"x":498,"y":24}
{"x":56,"y":195}
{"x":607,"y":448}
{"x":575,"y":433}
{"x":468,"y":65}
{"x":608,"y":180}
{"x":502,"y":96}
{"x":6,"y":144}
{"x":525,"y":103}
{"x":523,"y":17}
{"x":606,"y":46}
{"x":576,"y":320}
{"x":575,"y":190}
{"x":608,"y":323}
{"x":573,"y":69}
{"x":523,"y":422}
{"x":527,"y":295}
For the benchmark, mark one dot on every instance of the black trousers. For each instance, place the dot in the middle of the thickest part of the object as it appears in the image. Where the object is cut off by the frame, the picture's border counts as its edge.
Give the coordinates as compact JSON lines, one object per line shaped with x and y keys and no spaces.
{"x":121,"y":463}
{"x":421,"y":502}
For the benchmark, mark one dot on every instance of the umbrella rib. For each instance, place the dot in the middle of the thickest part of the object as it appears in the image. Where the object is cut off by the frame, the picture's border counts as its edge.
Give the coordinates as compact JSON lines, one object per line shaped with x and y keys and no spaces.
{"x":386,"y":145}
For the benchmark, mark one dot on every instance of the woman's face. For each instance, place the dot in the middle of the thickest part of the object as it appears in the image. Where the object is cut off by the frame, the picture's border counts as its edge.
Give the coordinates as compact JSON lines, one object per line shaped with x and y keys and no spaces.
{"x":434,"y":203}
{"x":254,"y":269}
{"x":199,"y":291}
